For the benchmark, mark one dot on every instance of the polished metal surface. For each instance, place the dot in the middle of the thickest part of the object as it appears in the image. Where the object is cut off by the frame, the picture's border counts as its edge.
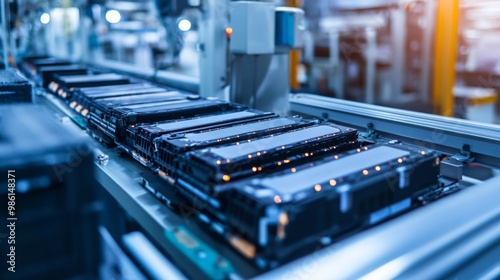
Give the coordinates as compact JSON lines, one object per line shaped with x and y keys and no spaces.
{"x":261,"y":82}
{"x":152,"y":260}
{"x":213,"y":45}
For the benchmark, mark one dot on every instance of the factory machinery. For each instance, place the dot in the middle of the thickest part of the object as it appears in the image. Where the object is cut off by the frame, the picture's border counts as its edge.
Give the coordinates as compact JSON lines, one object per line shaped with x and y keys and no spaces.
{"x":242,"y":193}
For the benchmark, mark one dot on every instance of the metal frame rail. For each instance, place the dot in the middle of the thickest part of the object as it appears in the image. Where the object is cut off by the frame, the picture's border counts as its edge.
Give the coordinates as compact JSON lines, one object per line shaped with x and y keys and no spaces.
{"x":445,"y":134}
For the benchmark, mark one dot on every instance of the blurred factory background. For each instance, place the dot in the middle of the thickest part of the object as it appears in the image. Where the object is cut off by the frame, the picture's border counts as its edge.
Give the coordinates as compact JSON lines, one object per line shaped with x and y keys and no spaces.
{"x":430,"y":68}
{"x":426,"y":56}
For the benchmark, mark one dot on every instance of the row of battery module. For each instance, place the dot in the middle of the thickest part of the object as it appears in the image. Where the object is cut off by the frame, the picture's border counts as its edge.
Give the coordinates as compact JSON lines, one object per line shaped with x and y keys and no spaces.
{"x":272,"y":186}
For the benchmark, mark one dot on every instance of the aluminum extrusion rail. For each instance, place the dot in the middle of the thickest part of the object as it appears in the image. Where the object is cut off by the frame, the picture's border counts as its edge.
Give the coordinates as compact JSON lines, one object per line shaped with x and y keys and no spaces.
{"x":436,"y":132}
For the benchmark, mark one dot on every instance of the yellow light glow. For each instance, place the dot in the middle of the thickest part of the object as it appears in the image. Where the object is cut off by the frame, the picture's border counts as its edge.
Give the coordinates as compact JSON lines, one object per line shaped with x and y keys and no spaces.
{"x":283,"y":219}
{"x":229,"y":32}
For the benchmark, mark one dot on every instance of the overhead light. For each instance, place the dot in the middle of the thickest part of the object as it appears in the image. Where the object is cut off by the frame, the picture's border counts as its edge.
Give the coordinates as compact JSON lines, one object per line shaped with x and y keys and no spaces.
{"x":45,"y":18}
{"x":184,"y":25}
{"x":113,"y":16}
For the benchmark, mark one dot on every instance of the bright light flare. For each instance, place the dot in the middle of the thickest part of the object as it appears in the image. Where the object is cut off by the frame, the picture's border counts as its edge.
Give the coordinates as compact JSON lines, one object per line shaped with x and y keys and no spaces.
{"x":45,"y":18}
{"x":113,"y":16}
{"x":184,"y":25}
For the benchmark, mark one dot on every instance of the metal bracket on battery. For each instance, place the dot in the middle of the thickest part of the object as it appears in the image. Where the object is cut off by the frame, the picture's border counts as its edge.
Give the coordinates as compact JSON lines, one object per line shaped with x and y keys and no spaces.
{"x":370,"y":133}
{"x":452,"y":167}
{"x":465,"y":154}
